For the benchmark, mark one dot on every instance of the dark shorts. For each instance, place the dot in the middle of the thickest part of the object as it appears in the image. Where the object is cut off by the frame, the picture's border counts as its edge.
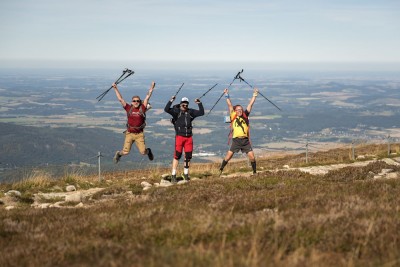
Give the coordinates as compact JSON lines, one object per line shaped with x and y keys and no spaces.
{"x":241,"y":144}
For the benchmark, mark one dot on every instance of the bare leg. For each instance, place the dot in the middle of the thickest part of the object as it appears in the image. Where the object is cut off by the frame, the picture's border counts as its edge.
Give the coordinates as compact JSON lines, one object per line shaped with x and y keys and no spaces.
{"x":175,"y":163}
{"x":251,"y":156}
{"x":228,"y":156}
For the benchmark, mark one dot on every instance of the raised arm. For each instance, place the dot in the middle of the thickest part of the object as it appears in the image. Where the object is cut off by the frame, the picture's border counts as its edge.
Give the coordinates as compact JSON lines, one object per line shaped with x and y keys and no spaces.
{"x":228,"y":100}
{"x":168,"y":108}
{"x":119,"y":96}
{"x":252,"y":100}
{"x":147,"y":98}
{"x":199,"y":112}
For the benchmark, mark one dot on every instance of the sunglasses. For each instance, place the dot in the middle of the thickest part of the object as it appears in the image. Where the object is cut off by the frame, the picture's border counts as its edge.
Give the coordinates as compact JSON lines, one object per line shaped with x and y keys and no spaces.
{"x":184,"y":106}
{"x":136,"y":101}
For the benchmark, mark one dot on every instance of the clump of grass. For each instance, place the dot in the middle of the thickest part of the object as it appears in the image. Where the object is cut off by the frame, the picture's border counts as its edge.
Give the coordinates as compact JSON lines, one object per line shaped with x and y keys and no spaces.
{"x":73,"y":177}
{"x":34,"y":182}
{"x":136,"y":189}
{"x":80,"y":180}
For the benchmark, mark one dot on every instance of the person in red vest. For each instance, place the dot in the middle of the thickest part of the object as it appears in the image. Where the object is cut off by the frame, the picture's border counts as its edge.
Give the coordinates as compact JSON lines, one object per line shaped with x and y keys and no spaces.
{"x":240,"y":128}
{"x":136,"y":113}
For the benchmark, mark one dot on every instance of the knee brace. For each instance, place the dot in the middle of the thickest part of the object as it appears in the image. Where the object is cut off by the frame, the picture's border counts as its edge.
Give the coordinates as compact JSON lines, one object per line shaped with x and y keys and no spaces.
{"x":188,"y":157}
{"x":177,"y":155}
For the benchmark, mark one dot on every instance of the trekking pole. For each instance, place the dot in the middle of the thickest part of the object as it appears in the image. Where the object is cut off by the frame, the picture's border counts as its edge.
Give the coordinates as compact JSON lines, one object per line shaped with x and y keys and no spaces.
{"x":106,"y":91}
{"x":241,"y":79}
{"x":120,"y":79}
{"x":130,"y":72}
{"x":269,"y":101}
{"x":236,"y":77}
{"x":207,"y":91}
{"x":216,"y":103}
{"x":179,"y":90}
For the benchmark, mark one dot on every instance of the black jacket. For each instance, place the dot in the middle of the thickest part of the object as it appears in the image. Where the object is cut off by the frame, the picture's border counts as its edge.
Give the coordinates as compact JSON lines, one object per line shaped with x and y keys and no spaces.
{"x":183,"y":120}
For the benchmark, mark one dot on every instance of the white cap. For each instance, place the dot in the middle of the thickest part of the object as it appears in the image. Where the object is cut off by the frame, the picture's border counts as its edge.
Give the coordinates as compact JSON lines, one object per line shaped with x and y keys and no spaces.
{"x":185,"y":99}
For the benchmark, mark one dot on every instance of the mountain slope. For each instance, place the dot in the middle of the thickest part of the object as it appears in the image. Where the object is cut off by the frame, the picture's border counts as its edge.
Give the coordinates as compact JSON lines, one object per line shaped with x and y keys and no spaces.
{"x":26,"y":145}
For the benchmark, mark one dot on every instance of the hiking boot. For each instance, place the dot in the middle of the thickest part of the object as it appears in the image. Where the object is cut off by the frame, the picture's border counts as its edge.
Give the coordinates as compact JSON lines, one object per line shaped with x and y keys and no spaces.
{"x":150,"y":154}
{"x":117,"y":157}
{"x":220,"y":173}
{"x":186,"y":176}
{"x":173,"y":179}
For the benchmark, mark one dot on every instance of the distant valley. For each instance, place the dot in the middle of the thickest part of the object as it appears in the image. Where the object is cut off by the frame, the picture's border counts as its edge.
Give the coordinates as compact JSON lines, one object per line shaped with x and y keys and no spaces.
{"x":52,"y":117}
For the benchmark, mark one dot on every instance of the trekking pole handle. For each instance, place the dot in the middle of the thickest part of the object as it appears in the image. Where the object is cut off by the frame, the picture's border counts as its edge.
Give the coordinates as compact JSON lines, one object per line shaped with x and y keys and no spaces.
{"x":238,"y":74}
{"x":120,"y":79}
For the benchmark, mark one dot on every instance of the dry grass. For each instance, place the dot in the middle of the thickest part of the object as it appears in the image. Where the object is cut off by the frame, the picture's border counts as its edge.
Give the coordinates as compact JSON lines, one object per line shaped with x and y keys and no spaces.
{"x":274,"y":219}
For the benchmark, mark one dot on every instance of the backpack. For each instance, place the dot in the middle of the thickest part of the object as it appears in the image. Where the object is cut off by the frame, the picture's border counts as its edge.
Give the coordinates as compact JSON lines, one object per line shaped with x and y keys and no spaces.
{"x":141,"y":113}
{"x":173,"y":120}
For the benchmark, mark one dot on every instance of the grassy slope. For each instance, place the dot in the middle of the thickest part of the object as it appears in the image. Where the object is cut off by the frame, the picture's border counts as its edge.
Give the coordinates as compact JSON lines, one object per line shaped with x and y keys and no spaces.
{"x":274,"y":219}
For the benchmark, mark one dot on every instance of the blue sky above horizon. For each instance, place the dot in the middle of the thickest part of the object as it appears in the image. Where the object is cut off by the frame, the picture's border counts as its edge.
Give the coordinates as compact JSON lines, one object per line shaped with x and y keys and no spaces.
{"x":183,"y":30}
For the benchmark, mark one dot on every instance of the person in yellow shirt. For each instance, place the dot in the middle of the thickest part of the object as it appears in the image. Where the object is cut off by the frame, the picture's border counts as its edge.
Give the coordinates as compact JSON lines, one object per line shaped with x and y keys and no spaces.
{"x":240,"y":131}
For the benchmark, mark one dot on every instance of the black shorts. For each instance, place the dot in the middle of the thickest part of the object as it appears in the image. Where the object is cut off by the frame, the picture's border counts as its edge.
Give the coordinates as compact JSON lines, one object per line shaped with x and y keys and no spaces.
{"x":241,"y":144}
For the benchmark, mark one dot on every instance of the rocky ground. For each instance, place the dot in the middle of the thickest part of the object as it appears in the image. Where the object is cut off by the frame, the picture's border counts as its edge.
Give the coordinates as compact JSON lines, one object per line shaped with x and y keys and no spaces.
{"x":71,"y":197}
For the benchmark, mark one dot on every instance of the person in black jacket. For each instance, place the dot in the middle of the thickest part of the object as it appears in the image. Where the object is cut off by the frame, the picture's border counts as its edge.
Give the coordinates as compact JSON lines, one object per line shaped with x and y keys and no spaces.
{"x":182,"y":117}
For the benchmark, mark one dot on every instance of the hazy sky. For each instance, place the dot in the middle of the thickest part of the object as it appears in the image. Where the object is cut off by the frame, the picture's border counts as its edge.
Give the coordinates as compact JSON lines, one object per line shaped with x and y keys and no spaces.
{"x":196,"y":30}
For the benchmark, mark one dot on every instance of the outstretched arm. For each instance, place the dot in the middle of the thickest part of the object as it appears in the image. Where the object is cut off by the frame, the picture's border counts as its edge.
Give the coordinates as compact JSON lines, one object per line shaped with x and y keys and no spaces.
{"x":146,"y":100}
{"x":119,"y":96}
{"x":228,"y":100}
{"x":252,"y":100}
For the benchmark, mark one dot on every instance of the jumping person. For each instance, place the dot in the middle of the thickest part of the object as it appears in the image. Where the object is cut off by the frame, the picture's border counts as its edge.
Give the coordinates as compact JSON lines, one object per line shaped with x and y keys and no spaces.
{"x":240,"y":131}
{"x":182,"y":117}
{"x":136,"y":113}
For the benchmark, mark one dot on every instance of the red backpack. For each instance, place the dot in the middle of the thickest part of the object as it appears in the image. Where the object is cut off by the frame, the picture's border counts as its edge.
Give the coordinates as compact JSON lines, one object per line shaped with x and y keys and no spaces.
{"x":141,"y":113}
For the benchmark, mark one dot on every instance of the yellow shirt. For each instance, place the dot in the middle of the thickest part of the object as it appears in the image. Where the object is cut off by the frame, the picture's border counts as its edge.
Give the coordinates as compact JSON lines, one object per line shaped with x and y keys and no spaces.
{"x":240,"y":127}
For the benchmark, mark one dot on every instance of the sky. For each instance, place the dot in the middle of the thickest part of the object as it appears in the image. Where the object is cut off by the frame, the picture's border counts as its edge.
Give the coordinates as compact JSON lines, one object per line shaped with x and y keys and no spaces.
{"x":220,"y":31}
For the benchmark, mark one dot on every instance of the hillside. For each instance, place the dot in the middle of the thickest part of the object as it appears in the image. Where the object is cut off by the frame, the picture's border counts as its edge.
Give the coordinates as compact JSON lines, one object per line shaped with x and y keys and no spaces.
{"x":45,"y":145}
{"x":41,"y":145}
{"x":58,"y":147}
{"x":333,"y":212}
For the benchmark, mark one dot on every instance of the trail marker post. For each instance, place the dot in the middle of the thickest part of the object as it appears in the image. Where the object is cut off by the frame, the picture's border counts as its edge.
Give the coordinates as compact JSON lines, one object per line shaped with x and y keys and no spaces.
{"x":307,"y":152}
{"x":99,"y":162}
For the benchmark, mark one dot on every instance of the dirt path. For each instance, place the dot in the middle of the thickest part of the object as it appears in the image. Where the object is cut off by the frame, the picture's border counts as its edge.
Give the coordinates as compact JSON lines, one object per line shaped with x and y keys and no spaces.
{"x":321,"y":170}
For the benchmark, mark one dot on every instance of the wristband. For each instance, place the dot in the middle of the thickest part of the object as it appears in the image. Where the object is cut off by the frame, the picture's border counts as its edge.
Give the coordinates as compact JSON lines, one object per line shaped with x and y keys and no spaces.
{"x":227,"y":96}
